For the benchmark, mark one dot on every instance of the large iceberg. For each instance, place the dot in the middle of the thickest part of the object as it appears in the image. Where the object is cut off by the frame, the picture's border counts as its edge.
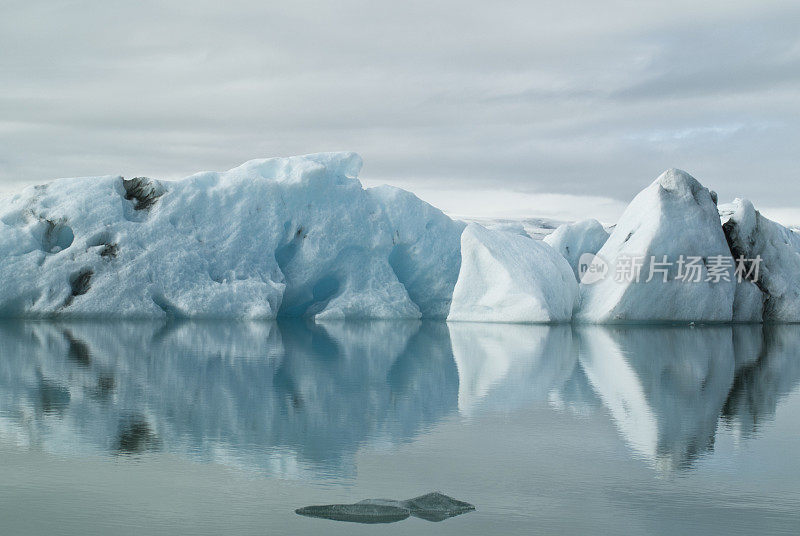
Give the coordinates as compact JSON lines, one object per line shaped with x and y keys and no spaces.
{"x":292,"y":236}
{"x":508,"y":277}
{"x":771,"y":261}
{"x":574,"y":240}
{"x":674,"y":218}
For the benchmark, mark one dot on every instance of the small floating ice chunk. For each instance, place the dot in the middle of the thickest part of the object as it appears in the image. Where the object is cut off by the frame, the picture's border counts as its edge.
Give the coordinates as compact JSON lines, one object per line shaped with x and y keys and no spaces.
{"x":432,"y":506}
{"x":436,"y":506}
{"x":363,"y":512}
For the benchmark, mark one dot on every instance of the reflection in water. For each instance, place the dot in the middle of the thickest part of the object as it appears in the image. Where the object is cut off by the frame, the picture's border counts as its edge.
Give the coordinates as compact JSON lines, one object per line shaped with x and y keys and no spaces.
{"x":301,"y":399}
{"x":135,"y":436}
{"x":282,"y":398}
{"x":509,"y":366}
{"x":664,"y":387}
{"x":771,"y":373}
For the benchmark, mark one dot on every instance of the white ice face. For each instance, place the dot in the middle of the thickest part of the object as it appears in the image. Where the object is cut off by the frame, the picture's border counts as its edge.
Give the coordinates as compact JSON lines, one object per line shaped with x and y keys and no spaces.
{"x":506,"y":277}
{"x":574,"y":240}
{"x":673,"y":218}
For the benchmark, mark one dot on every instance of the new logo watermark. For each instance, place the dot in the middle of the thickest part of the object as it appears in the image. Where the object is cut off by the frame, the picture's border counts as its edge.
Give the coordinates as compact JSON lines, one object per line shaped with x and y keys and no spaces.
{"x":591,"y":269}
{"x":686,"y":268}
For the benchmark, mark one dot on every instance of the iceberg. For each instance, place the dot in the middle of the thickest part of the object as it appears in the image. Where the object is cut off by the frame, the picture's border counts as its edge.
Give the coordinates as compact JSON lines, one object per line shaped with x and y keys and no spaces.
{"x":301,"y":237}
{"x":295,"y":237}
{"x":751,"y":236}
{"x":507,"y":277}
{"x":672,"y":218}
{"x":573,"y":240}
{"x":368,"y":511}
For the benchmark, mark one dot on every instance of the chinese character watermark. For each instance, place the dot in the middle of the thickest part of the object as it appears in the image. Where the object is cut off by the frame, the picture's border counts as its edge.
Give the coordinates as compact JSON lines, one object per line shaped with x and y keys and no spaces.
{"x":661,"y":269}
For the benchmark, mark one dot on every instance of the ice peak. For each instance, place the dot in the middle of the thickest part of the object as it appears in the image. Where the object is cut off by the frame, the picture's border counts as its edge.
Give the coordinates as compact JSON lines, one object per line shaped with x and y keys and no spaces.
{"x":345,"y":163}
{"x":334,"y":165}
{"x":675,"y":179}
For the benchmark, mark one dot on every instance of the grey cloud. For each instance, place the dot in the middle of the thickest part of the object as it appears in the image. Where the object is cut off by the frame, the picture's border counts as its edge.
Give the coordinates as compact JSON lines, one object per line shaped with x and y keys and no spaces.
{"x":527,"y":96}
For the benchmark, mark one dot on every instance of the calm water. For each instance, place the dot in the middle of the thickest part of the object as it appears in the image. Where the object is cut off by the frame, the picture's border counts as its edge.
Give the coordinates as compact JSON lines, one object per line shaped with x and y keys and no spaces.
{"x":226,"y":428}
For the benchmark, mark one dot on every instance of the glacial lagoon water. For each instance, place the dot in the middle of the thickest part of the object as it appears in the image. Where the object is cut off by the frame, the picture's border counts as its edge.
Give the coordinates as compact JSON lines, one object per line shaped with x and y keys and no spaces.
{"x":228,"y":428}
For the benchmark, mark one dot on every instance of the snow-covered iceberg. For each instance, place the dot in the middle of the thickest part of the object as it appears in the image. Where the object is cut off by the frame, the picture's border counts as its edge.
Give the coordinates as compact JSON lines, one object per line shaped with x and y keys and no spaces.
{"x":292,"y":236}
{"x":751,"y":236}
{"x":573,"y":240}
{"x":675,"y":217}
{"x":507,"y":277}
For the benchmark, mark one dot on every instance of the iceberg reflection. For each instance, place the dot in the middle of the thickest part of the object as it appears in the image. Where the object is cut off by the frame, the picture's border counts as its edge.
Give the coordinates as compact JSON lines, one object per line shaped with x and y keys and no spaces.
{"x":300,"y":399}
{"x":667,"y":387}
{"x":285,"y":398}
{"x":664,"y":387}
{"x":771,"y":372}
{"x":509,"y":366}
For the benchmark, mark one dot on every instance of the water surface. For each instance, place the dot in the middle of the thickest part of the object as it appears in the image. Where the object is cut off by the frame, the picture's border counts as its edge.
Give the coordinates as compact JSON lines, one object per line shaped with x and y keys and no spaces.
{"x":223,"y":427}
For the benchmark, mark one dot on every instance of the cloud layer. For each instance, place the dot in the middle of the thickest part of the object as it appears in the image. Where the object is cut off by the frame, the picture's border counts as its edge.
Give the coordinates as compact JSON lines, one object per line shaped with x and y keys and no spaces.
{"x":575,"y":98}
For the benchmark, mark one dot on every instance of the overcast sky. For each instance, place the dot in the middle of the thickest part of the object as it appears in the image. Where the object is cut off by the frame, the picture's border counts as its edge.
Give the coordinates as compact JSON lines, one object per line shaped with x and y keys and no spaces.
{"x":588,"y":100}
